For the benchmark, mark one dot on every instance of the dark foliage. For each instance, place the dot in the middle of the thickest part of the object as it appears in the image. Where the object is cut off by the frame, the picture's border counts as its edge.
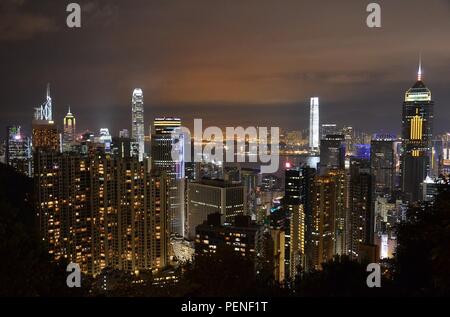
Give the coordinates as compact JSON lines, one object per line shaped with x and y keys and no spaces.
{"x":422,"y":265}
{"x":340,"y":277}
{"x":25,"y":268}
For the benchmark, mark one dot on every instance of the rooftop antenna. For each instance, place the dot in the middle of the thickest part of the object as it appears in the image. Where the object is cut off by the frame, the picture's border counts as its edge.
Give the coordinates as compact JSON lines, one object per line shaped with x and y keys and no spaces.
{"x":419,"y":73}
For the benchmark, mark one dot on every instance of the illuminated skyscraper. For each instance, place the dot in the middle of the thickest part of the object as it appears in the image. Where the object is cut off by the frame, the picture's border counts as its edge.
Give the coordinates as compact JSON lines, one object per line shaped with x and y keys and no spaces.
{"x":101,"y":211}
{"x":213,"y":196}
{"x":295,"y":209}
{"x":360,"y":202}
{"x":124,"y":133}
{"x":69,"y":136}
{"x":329,"y":213}
{"x":382,"y":164}
{"x":159,"y":194}
{"x":314,"y":125}
{"x":444,"y":159}
{"x":18,"y":150}
{"x":332,"y":153}
{"x":328,"y":129}
{"x":45,"y":111}
{"x":138,"y":132}
{"x":45,"y":133}
{"x":161,"y":154}
{"x":417,"y":129}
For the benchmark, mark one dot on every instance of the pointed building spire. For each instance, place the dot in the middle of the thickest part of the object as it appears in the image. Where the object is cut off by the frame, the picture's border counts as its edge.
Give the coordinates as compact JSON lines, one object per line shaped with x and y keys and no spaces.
{"x":48,"y":90}
{"x":419,"y":73}
{"x":69,"y":110}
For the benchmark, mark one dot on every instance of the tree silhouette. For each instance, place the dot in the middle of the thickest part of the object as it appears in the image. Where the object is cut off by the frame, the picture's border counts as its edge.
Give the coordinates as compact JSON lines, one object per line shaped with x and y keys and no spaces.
{"x":422,"y":263}
{"x":26,"y":268}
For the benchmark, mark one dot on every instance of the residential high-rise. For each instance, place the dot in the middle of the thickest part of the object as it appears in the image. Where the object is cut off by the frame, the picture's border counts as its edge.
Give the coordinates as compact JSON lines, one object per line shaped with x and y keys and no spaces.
{"x":18,"y":150}
{"x":314,"y":125}
{"x":382,"y":164}
{"x":360,"y":202}
{"x":69,"y":135}
{"x":306,"y":189}
{"x":417,"y":130}
{"x":278,"y":238}
{"x":245,"y":237}
{"x":159,"y":194}
{"x":45,"y":136}
{"x":298,"y":203}
{"x":137,"y":125}
{"x":101,"y":211}
{"x":294,"y":207}
{"x":329,"y":218}
{"x":213,"y":196}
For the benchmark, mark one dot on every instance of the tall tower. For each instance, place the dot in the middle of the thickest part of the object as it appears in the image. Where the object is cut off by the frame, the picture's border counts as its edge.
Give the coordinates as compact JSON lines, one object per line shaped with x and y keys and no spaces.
{"x":382,"y":164}
{"x":137,"y":132}
{"x":314,"y":125}
{"x":69,"y":135}
{"x":45,"y":133}
{"x":18,"y":150}
{"x":45,"y":111}
{"x":161,"y":153}
{"x":417,"y":130}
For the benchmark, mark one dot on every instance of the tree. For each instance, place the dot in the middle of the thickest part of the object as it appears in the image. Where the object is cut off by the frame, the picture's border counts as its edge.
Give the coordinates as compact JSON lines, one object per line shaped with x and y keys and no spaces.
{"x":423,"y":255}
{"x":26,"y":268}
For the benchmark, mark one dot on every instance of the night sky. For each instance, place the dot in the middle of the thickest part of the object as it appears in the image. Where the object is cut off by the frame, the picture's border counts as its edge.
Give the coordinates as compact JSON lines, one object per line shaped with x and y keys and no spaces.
{"x":230,"y":62}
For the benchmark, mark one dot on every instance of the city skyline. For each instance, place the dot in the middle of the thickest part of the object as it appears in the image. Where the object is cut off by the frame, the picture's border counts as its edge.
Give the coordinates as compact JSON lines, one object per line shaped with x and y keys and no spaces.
{"x":274,"y":70}
{"x":216,"y":148}
{"x":306,"y":117}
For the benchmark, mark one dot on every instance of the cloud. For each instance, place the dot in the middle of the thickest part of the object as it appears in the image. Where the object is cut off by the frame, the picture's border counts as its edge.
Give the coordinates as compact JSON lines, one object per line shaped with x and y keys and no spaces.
{"x":18,"y":24}
{"x":102,"y":13}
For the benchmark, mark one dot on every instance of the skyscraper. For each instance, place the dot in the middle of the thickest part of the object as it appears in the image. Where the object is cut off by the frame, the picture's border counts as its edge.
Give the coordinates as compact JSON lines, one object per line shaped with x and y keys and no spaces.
{"x":124,"y":134}
{"x":69,"y":135}
{"x":444,"y":160}
{"x":382,"y":164}
{"x":138,"y":132}
{"x":45,"y":111}
{"x":332,"y":153}
{"x":18,"y":150}
{"x":328,"y":206}
{"x":161,"y":154}
{"x":294,"y":207}
{"x":45,"y":133}
{"x":159,"y":194}
{"x":314,"y":125}
{"x":360,"y":201}
{"x":328,"y":129}
{"x":101,"y":211}
{"x":417,"y":130}
{"x":213,"y":196}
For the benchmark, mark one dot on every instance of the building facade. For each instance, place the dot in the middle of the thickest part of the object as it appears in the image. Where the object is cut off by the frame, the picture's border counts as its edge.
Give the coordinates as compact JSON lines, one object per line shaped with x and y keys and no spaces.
{"x":417,"y":133}
{"x":137,"y":124}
